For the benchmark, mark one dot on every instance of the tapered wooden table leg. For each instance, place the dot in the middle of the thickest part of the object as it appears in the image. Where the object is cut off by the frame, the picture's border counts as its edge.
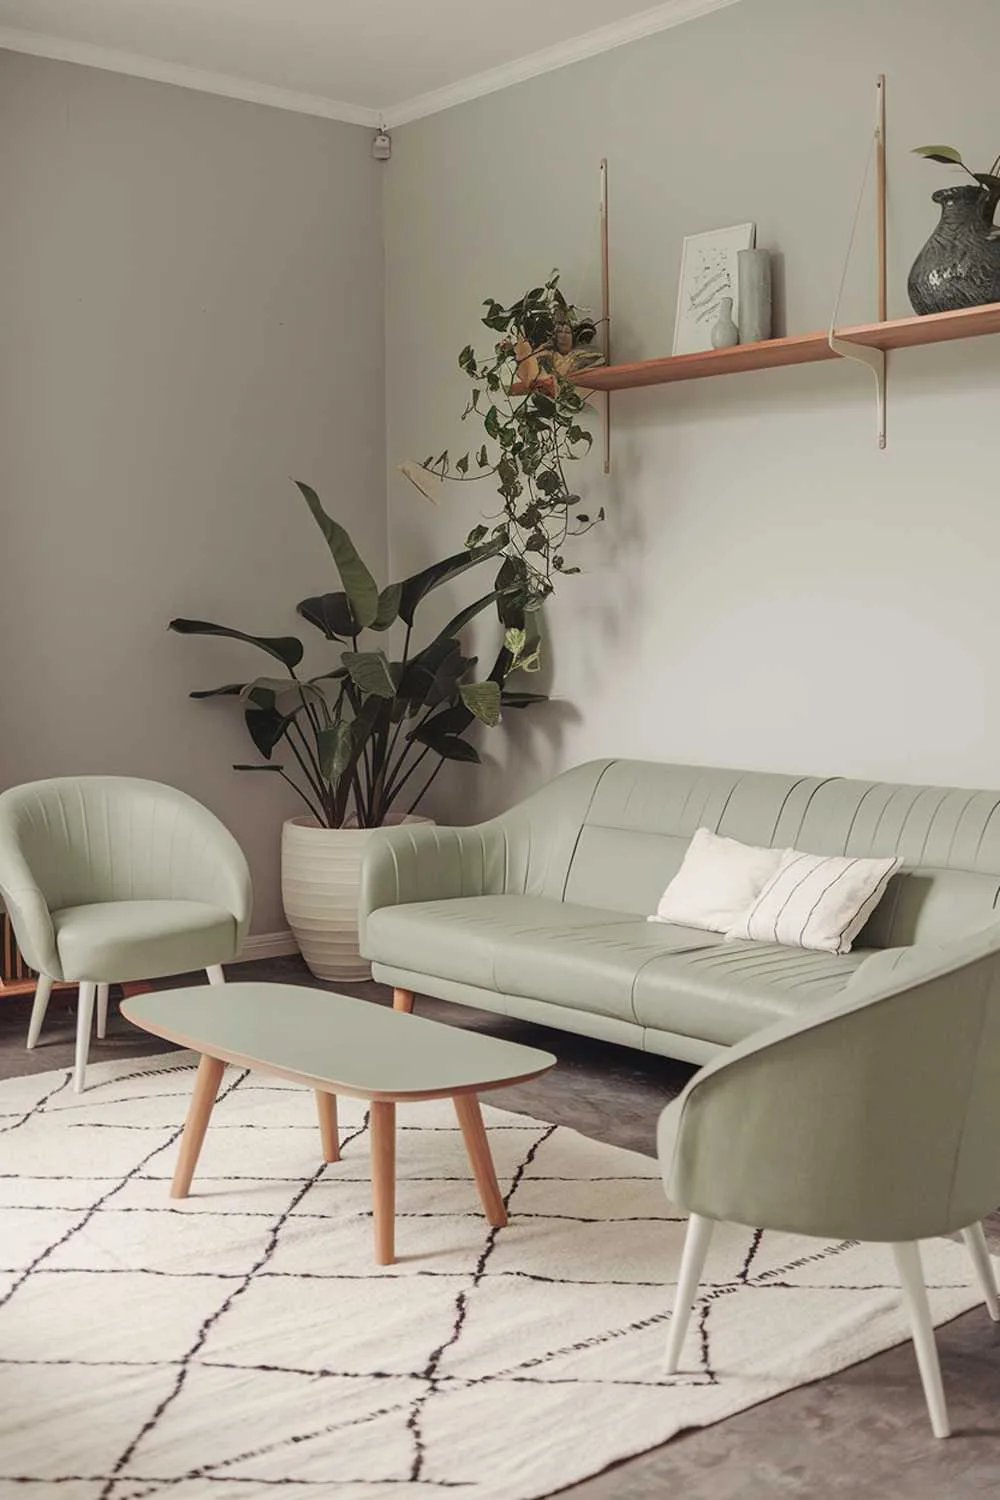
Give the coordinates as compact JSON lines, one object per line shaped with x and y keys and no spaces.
{"x":206,"y":1086}
{"x":383,"y":1124}
{"x":471,"y":1120}
{"x":326,"y":1107}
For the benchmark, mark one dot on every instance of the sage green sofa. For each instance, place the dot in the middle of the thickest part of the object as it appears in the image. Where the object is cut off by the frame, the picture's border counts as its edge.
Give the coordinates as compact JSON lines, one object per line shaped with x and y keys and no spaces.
{"x":541,"y":912}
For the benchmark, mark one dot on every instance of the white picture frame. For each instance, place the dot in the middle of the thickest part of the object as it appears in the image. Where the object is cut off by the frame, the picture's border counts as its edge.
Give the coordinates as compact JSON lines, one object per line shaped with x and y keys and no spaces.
{"x":708,"y":273}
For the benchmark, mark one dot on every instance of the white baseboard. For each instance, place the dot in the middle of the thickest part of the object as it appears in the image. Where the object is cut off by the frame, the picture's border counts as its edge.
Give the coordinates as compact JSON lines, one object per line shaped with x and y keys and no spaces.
{"x":267,"y":945}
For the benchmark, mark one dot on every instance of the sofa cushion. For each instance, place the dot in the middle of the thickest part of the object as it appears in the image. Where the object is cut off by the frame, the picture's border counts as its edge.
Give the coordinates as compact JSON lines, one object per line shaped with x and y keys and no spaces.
{"x":656,"y":975}
{"x":726,"y":993}
{"x":115,"y":941}
{"x":578,"y":956}
{"x":718,"y":883}
{"x":595,"y":966}
{"x":818,"y":901}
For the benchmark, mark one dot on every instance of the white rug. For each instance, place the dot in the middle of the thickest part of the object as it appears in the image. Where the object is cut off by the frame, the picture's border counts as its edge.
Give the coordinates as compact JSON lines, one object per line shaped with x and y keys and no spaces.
{"x":243,"y":1342}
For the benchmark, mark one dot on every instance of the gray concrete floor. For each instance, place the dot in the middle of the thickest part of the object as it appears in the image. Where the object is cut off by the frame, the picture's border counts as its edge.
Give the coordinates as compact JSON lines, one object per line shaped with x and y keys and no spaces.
{"x":861,"y":1433}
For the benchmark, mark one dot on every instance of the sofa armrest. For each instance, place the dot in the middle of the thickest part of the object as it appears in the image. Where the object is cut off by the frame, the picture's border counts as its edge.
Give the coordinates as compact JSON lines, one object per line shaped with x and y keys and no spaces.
{"x":32,"y":924}
{"x":907,"y":964}
{"x":844,"y":1123}
{"x":424,"y":862}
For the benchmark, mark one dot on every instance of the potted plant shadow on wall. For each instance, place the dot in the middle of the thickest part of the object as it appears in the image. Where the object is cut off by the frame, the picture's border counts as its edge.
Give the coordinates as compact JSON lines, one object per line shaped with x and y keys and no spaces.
{"x":362,"y":741}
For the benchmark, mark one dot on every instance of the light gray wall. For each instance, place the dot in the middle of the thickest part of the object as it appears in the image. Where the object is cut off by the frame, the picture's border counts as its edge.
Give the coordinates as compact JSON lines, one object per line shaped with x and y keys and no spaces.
{"x":191,"y":312}
{"x":769,"y":591}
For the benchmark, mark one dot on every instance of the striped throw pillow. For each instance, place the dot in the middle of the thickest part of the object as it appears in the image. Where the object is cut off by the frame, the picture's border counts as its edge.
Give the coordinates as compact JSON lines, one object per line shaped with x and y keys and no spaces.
{"x":816,"y":901}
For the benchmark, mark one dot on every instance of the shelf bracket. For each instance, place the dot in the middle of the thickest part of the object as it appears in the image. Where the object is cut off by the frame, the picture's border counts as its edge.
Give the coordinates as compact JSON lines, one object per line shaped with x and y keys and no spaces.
{"x":605,"y":306}
{"x":865,"y":354}
{"x":876,"y":362}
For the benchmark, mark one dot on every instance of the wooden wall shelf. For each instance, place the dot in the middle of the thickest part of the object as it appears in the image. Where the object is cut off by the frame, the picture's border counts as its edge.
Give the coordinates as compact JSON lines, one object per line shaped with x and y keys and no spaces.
{"x":801,"y":349}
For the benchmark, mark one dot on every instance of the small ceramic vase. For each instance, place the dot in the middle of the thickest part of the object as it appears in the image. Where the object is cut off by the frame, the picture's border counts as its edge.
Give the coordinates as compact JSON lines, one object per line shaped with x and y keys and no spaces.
{"x":724,"y":331}
{"x":755,"y":295}
{"x":960,"y":264}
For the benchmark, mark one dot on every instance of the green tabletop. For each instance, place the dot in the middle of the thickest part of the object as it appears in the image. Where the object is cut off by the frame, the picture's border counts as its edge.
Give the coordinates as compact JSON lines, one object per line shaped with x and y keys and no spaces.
{"x":332,"y":1041}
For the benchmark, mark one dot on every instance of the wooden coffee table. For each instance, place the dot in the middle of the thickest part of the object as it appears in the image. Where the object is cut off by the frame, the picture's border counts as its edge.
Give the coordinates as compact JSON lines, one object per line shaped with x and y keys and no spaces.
{"x":337,"y":1045}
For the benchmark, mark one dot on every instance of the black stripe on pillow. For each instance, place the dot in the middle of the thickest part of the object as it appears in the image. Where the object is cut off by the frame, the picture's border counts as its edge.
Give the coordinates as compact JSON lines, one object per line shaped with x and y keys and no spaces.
{"x":826,"y":889}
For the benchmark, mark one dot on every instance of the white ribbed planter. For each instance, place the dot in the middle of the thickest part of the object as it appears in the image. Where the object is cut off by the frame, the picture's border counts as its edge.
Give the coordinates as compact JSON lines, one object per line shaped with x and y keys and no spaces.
{"x":320,"y":870}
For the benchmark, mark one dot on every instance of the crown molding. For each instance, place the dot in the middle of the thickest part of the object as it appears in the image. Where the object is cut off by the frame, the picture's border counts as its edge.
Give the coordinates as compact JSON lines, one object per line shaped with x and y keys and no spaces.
{"x":64,"y":49}
{"x":577,"y":49}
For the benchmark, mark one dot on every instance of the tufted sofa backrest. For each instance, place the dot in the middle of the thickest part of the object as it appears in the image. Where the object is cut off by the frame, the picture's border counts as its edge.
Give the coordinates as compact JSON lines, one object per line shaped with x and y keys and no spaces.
{"x":613,"y":833}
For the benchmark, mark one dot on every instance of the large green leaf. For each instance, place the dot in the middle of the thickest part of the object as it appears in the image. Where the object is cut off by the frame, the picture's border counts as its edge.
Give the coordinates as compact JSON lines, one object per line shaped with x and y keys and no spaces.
{"x":284,"y":648}
{"x":388,"y":607}
{"x":455,"y":719}
{"x":279,"y":686}
{"x":946,"y":154}
{"x":341,"y":745}
{"x":448,"y":746}
{"x":330,"y":613}
{"x":434,"y":673}
{"x":371,"y":672}
{"x":420,"y":584}
{"x":512,"y":590}
{"x":483,"y":700}
{"x":336,"y":747}
{"x":459,"y":621}
{"x":266,"y":727}
{"x":359,"y":585}
{"x":228,"y":690}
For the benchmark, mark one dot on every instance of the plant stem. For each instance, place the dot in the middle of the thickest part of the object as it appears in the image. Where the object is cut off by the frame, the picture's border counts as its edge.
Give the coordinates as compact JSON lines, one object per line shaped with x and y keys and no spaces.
{"x":413,"y":766}
{"x":394,"y":786}
{"x":316,"y":812}
{"x":425,"y":788}
{"x":313,"y":718}
{"x":317,"y":782}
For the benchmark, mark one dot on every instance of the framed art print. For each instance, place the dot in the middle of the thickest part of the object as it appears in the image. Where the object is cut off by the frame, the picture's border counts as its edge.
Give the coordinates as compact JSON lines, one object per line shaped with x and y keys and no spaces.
{"x":708,"y":273}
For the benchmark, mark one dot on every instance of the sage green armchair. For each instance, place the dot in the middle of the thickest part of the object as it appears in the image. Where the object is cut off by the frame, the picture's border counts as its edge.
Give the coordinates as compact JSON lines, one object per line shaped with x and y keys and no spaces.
{"x":108,"y":879}
{"x":877,"y":1118}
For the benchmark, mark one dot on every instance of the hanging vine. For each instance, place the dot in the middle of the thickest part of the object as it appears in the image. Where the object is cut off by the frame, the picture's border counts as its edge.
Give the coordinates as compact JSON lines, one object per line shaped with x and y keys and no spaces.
{"x":532,"y":416}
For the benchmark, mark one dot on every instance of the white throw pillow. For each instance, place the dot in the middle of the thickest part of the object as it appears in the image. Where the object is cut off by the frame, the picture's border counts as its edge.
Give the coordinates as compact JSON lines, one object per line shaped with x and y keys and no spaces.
{"x":816,"y":901}
{"x":717,"y":883}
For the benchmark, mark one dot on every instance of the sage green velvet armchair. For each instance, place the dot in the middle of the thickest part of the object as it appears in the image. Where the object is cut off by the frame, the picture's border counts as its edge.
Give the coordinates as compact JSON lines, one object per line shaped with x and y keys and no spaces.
{"x":878,"y":1118}
{"x":109,"y":879}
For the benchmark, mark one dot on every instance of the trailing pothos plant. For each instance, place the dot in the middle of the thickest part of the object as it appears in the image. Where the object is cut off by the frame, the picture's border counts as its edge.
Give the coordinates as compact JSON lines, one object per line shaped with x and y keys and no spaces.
{"x":357,"y":737}
{"x":532,"y":416}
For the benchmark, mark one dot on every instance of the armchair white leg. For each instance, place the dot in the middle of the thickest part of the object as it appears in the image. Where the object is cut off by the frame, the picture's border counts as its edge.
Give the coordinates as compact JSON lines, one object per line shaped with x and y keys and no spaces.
{"x":699,"y":1234}
{"x":215,"y":974}
{"x":975,"y":1241}
{"x":911,"y":1277}
{"x":84,"y":1020}
{"x":43,"y":989}
{"x":102,"y":1011}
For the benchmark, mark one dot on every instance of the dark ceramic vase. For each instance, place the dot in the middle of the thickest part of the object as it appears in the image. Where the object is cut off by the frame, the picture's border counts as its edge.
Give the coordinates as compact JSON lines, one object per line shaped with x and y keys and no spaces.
{"x":960,"y":264}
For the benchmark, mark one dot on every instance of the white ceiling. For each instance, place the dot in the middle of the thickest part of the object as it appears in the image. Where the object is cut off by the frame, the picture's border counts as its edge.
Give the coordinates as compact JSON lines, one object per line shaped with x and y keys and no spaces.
{"x":348,"y":59}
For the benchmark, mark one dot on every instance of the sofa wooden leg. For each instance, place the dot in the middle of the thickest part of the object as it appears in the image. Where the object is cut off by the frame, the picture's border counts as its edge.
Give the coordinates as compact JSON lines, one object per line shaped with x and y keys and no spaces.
{"x":402,"y":1000}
